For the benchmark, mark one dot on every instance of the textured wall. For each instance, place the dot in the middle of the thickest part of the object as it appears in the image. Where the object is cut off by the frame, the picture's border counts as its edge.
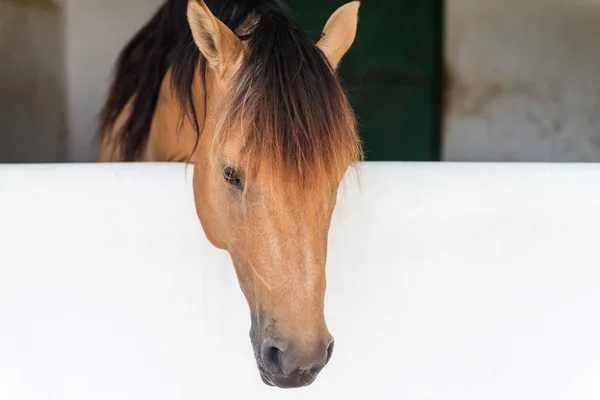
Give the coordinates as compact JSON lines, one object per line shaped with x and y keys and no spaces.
{"x":97,"y":30}
{"x":32,"y":84}
{"x":57,"y":56}
{"x":523,"y":81}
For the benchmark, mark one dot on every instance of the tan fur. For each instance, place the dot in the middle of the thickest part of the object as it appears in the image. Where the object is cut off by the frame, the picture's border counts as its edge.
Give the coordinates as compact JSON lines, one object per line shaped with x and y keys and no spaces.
{"x":278,"y":249}
{"x":109,"y":149}
{"x":224,"y":55}
{"x":339,"y":32}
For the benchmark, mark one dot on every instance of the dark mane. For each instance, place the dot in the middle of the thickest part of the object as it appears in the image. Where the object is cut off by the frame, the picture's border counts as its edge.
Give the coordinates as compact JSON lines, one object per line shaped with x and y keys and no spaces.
{"x":286,"y":94}
{"x":299,"y":126}
{"x":164,"y":42}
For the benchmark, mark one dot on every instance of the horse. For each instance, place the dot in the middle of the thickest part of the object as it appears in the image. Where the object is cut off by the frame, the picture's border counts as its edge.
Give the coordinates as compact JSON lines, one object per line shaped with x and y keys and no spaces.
{"x":239,"y":90}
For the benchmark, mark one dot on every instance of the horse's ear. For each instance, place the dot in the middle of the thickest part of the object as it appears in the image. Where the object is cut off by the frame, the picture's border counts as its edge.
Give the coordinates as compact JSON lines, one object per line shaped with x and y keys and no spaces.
{"x":219,"y":45}
{"x":339,"y":32}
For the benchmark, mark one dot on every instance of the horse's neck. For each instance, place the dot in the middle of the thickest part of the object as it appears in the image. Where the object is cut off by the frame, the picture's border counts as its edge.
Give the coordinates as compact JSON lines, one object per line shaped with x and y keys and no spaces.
{"x":171,"y":137}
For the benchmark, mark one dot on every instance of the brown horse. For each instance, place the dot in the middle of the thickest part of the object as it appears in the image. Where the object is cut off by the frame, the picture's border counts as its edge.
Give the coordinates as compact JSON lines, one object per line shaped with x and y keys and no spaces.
{"x":237,"y":88}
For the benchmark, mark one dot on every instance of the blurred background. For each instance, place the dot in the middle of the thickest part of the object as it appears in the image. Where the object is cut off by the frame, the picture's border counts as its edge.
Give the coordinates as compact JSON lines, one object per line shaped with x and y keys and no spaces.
{"x":430,"y":80}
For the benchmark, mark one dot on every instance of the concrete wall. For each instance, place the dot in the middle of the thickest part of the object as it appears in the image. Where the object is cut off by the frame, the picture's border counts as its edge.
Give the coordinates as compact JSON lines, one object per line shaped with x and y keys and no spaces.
{"x":57,"y":56}
{"x":96,"y":30}
{"x":32,"y":81}
{"x":523,"y":81}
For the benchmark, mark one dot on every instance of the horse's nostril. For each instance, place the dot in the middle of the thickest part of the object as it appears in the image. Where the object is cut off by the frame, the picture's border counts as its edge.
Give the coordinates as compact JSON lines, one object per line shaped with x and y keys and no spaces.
{"x":272,"y":357}
{"x":284,"y":361}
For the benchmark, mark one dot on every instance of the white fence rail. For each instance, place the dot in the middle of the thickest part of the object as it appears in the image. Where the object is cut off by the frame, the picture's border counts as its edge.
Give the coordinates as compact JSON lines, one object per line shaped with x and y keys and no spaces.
{"x":445,"y":281}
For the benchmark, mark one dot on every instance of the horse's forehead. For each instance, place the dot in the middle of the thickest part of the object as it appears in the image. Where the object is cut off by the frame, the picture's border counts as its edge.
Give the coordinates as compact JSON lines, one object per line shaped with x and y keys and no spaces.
{"x":232,"y":146}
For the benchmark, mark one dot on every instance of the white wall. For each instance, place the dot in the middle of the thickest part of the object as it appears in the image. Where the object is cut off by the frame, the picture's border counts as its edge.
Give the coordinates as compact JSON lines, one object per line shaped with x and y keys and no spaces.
{"x":96,"y":30}
{"x":32,"y":81}
{"x":523,"y":80}
{"x":445,"y":282}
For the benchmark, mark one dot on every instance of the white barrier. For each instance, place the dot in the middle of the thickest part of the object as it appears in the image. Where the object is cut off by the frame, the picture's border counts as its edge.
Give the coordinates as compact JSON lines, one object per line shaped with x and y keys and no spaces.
{"x":445,"y":281}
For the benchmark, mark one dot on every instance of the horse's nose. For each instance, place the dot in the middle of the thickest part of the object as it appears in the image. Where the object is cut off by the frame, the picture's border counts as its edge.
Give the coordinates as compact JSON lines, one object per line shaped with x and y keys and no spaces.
{"x":291,"y":365}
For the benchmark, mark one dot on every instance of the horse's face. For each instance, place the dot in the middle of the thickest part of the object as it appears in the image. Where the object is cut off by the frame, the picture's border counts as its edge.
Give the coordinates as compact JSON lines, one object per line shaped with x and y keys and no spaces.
{"x":277,"y":241}
{"x":279,"y":255}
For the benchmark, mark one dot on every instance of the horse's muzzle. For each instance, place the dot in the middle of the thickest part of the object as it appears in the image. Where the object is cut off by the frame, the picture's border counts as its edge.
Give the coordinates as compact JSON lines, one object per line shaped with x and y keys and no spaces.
{"x":286,"y":365}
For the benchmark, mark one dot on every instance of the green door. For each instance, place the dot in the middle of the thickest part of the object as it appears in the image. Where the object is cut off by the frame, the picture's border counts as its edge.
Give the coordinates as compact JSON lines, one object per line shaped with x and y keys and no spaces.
{"x":391,"y":73}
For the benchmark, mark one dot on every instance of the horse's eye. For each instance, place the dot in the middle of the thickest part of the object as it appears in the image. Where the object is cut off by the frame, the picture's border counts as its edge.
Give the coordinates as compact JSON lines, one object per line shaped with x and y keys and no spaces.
{"x":233,"y":178}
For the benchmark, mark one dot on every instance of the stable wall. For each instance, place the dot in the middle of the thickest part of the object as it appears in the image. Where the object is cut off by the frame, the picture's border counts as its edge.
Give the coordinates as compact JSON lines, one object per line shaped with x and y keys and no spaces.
{"x":522,"y":80}
{"x":57,"y":57}
{"x":33,"y":105}
{"x":445,"y":282}
{"x":97,"y":30}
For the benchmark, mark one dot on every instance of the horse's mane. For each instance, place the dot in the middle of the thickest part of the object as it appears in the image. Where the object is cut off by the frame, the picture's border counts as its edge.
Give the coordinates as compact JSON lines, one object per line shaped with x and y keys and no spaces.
{"x":294,"y":113}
